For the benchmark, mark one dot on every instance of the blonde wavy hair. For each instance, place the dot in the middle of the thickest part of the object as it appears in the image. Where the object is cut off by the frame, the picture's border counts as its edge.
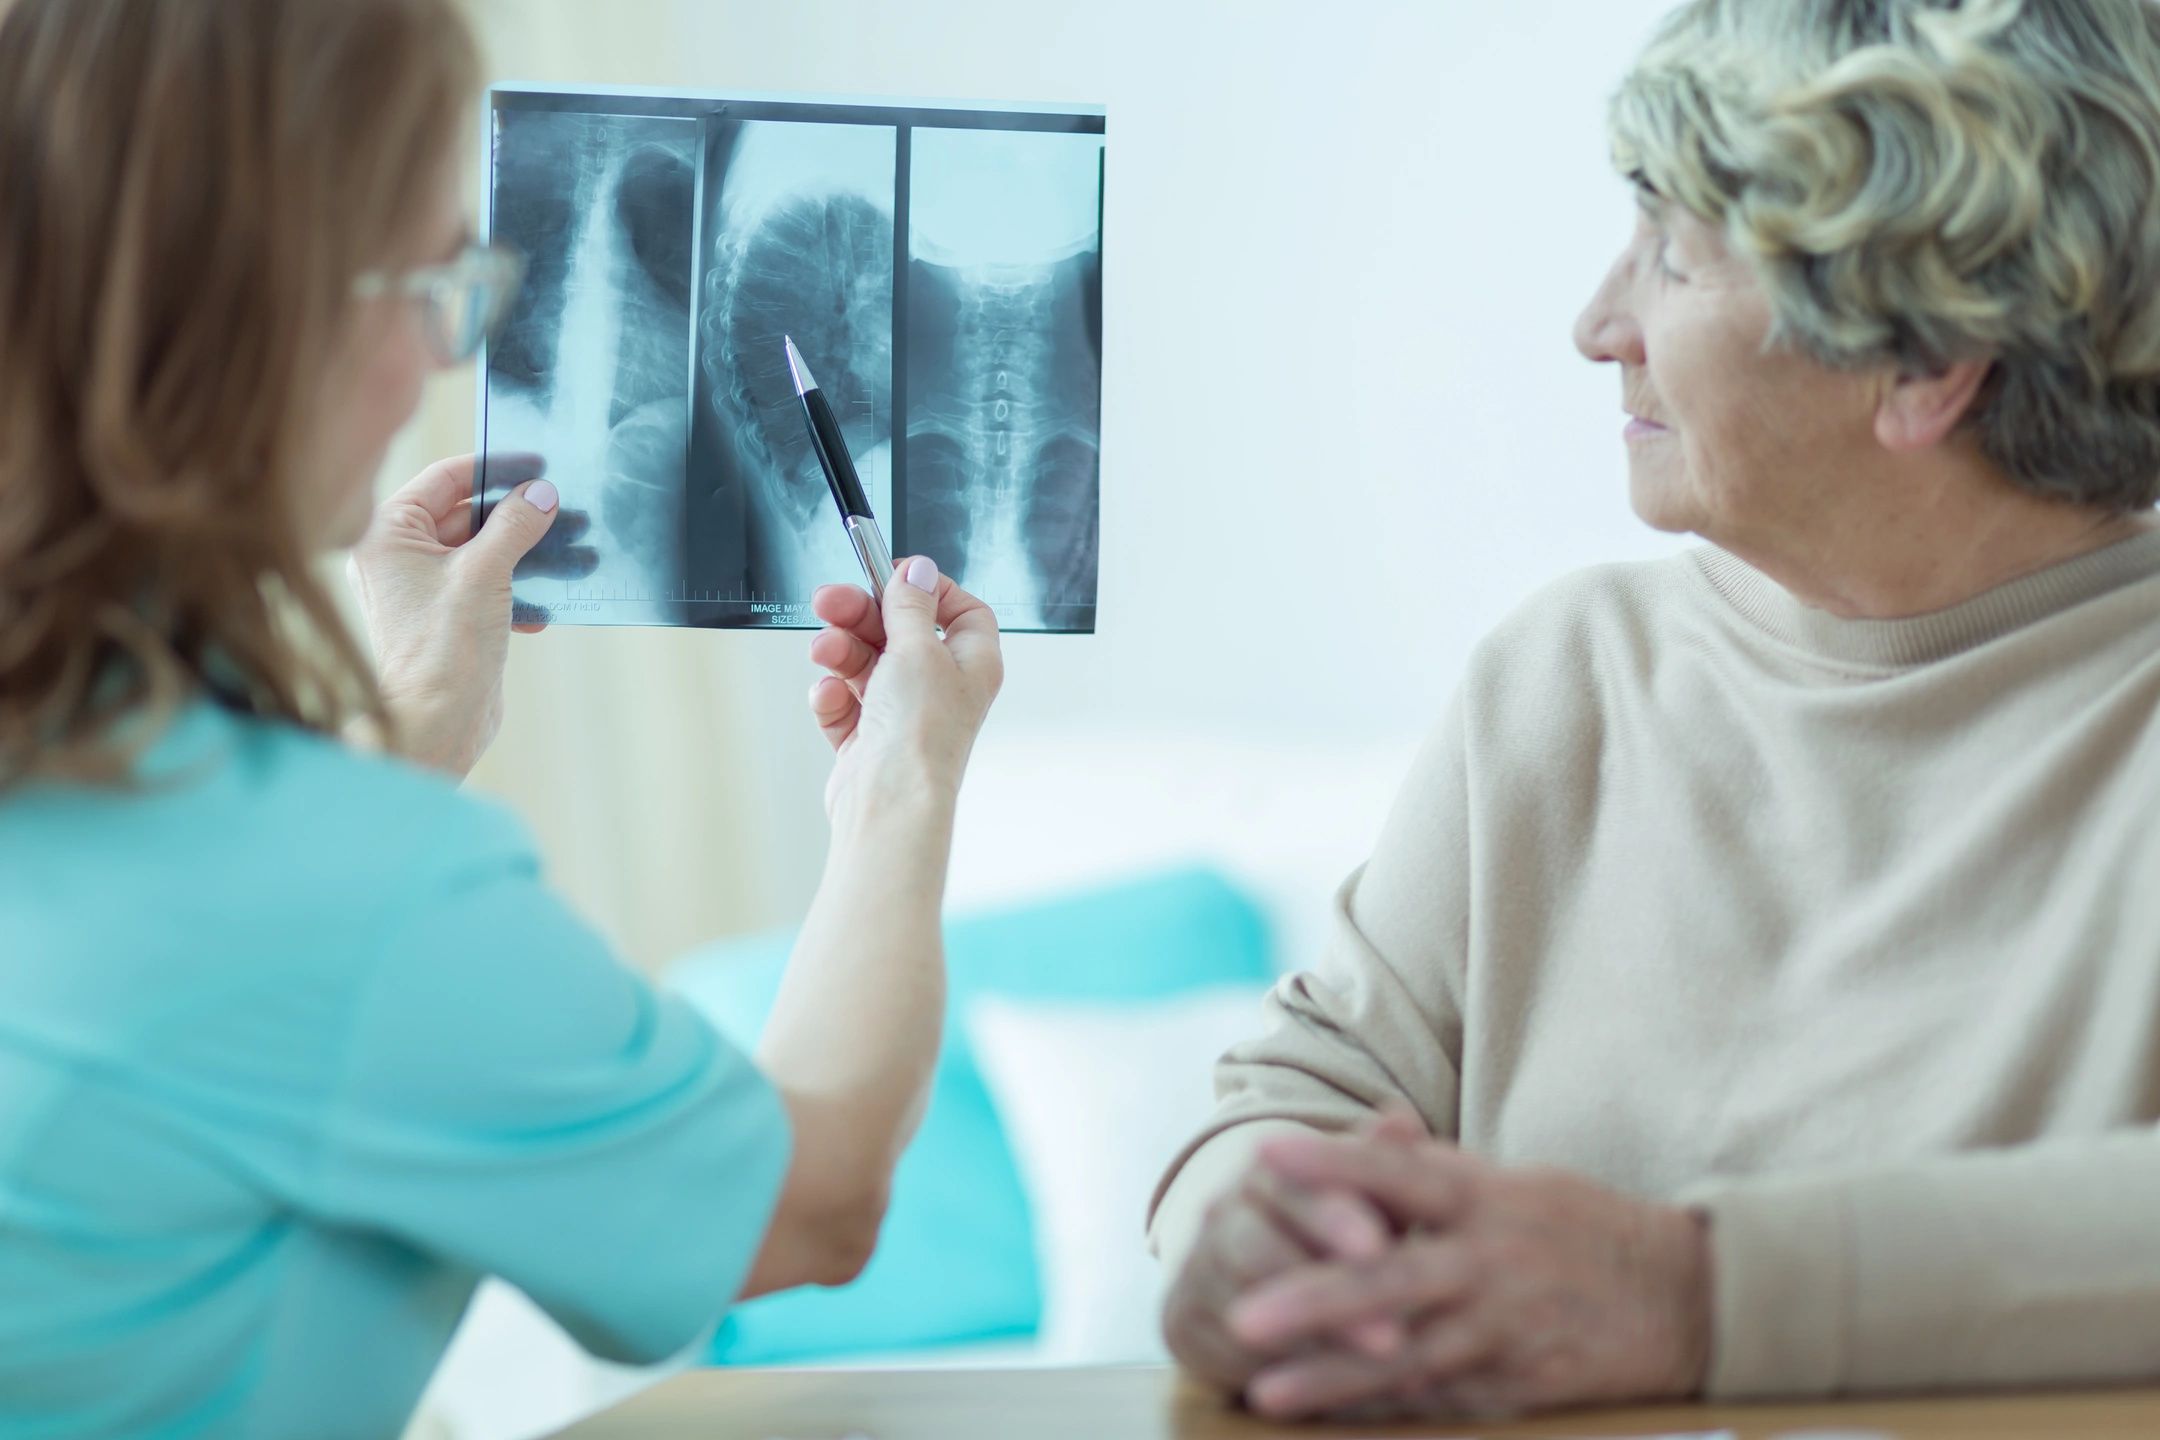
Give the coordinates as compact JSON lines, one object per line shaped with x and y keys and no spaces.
{"x":191,"y":187}
{"x":1920,"y":182}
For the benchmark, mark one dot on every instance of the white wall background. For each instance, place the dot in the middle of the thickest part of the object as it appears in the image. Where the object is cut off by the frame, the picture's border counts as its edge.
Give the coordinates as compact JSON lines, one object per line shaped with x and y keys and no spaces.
{"x":1345,"y":429}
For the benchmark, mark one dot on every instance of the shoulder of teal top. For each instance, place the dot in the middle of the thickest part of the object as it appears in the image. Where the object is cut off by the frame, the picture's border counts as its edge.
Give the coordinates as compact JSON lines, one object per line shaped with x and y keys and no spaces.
{"x":294,"y":814}
{"x":375,"y":812}
{"x":373,"y":778}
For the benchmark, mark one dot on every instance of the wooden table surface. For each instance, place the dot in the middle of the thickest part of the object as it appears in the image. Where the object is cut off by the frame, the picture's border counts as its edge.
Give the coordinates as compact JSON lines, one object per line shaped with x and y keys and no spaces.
{"x":1152,"y":1404}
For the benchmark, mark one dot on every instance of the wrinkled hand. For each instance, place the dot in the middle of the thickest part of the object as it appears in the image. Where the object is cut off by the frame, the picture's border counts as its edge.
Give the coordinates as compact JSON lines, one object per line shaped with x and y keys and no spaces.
{"x":436,"y":598}
{"x":1265,"y":1228}
{"x":902,"y":704}
{"x":1521,"y":1290}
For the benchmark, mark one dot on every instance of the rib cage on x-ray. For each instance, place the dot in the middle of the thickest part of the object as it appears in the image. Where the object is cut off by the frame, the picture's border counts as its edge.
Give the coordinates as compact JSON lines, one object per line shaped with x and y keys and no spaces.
{"x":672,"y":243}
{"x":796,"y":244}
{"x":593,"y":368}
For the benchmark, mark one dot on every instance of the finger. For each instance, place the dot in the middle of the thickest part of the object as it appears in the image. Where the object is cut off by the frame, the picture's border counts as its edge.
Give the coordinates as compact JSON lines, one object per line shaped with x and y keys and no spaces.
{"x":1418,"y":1277}
{"x":1334,"y":1223}
{"x":1248,"y":1246}
{"x":513,"y":528}
{"x":911,"y":602}
{"x":1398,"y":1124}
{"x":971,"y":629}
{"x":498,"y":477}
{"x":502,"y":471}
{"x":548,"y":561}
{"x":835,"y":708}
{"x":1426,"y":1184}
{"x":1451,"y":1350}
{"x":525,"y":627}
{"x":529,"y":618}
{"x":570,"y":527}
{"x":849,"y":607}
{"x":845,"y":654}
{"x":1447,"y":1372}
{"x":1313,"y":1385}
{"x":1381,"y":1339}
{"x":956,"y":606}
{"x":442,"y":489}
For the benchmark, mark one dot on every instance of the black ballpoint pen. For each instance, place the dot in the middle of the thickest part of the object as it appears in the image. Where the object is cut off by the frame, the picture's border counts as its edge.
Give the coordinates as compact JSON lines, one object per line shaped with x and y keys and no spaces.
{"x":839,"y":467}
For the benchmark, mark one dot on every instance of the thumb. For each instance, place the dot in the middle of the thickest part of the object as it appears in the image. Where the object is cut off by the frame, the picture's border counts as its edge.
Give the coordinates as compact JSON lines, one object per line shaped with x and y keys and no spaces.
{"x":911,"y":601}
{"x":514,"y":527}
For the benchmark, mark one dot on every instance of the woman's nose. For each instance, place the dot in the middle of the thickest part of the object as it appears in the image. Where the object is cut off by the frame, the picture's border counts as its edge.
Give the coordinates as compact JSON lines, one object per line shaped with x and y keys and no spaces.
{"x":1606,"y":331}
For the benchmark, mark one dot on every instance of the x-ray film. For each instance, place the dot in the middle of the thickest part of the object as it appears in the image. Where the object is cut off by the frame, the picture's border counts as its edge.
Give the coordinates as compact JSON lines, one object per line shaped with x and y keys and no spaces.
{"x":938,"y":266}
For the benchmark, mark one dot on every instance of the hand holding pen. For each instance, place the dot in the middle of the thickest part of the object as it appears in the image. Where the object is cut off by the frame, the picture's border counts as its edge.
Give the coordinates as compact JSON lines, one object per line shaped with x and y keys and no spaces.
{"x":901,"y":703}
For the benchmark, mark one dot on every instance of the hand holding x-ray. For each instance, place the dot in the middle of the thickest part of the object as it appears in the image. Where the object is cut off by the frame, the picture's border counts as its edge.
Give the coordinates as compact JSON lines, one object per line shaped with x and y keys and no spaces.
{"x":435,"y":593}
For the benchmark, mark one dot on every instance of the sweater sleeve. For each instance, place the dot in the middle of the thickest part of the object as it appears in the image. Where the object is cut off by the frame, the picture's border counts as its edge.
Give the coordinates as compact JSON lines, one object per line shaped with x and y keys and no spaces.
{"x":1378,"y":1021}
{"x":2034,"y":1265}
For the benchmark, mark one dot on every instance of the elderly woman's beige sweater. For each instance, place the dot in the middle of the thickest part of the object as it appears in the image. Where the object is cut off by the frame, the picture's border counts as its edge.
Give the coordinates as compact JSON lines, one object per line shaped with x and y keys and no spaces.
{"x":1848,"y":931}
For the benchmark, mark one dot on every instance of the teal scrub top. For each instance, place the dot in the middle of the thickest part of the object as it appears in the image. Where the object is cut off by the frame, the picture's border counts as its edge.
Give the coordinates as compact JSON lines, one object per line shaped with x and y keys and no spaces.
{"x":294,"y":1049}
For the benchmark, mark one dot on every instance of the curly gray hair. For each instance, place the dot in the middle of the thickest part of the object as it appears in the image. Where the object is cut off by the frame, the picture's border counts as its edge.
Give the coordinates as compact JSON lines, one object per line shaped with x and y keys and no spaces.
{"x":1927,"y":181}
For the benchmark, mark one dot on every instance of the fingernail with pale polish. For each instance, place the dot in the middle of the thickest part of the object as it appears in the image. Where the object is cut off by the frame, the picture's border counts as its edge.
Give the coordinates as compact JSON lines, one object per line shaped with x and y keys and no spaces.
{"x":541,"y":494}
{"x":922,"y":573}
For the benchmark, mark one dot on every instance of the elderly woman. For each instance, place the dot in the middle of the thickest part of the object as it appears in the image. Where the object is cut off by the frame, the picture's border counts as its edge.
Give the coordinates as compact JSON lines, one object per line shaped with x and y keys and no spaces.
{"x":295,"y":1043}
{"x":1756,"y":990}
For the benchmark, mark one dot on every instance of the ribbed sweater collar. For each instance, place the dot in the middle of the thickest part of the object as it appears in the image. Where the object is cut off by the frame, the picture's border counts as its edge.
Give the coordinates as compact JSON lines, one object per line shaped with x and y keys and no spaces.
{"x":1920,"y":639}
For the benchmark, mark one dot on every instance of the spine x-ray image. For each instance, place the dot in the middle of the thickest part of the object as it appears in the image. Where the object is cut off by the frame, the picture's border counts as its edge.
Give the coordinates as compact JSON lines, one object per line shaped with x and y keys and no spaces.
{"x":798,"y":242}
{"x":1004,"y":327}
{"x":940,"y":269}
{"x":592,"y":368}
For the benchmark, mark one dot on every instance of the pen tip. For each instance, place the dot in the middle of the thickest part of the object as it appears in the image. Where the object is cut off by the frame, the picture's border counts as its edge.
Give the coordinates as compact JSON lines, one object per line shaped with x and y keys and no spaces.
{"x":797,"y":371}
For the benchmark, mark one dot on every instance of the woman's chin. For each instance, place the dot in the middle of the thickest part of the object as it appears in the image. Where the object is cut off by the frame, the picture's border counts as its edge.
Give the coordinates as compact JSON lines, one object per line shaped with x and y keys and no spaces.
{"x":1661,"y":501}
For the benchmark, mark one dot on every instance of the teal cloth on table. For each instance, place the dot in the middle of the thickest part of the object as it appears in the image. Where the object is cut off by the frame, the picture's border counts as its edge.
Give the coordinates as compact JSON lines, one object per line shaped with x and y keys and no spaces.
{"x":956,"y":1262}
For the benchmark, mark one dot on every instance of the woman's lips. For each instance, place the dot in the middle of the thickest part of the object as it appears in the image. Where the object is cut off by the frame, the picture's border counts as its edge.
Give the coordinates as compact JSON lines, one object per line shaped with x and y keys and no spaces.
{"x":1641,"y":429}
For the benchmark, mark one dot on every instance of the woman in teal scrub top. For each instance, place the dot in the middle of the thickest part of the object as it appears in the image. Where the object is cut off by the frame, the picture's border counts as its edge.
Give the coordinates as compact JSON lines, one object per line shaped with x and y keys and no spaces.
{"x":295,"y":1044}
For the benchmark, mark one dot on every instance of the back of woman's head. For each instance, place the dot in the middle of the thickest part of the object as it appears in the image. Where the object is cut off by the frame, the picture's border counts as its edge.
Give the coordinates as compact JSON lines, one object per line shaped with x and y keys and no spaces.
{"x":1926,"y":181}
{"x":191,"y":187}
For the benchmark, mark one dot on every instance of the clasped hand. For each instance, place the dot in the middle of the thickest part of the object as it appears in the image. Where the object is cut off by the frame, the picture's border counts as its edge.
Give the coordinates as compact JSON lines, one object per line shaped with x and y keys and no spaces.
{"x":1387,"y":1275}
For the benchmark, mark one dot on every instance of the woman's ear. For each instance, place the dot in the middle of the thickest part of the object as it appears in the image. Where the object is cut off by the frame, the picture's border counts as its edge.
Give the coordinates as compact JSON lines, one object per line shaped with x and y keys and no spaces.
{"x":1920,"y":410}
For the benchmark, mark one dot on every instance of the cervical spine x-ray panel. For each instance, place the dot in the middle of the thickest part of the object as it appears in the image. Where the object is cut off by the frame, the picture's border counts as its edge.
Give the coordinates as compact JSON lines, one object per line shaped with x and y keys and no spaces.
{"x":941,"y":272}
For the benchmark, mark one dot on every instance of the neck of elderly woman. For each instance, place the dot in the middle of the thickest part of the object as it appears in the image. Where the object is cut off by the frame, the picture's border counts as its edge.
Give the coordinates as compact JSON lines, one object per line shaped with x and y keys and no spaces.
{"x":1919,"y":533}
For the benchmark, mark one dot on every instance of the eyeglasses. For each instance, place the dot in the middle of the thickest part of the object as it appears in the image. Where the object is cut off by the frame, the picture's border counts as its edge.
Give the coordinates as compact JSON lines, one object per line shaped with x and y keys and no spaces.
{"x":462,"y":301}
